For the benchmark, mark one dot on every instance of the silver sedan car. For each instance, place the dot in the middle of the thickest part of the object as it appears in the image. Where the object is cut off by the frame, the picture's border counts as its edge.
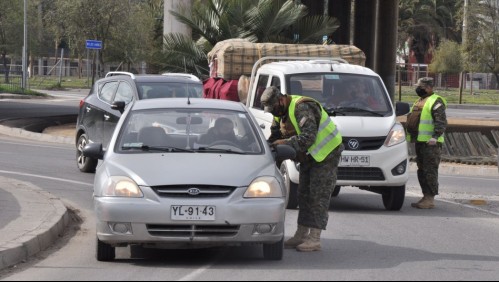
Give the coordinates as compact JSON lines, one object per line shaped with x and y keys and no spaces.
{"x":188,"y":173}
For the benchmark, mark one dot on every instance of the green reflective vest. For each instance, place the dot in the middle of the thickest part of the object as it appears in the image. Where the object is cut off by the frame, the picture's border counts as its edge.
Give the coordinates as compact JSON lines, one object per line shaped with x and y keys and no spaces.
{"x":426,"y":127}
{"x":328,"y":136}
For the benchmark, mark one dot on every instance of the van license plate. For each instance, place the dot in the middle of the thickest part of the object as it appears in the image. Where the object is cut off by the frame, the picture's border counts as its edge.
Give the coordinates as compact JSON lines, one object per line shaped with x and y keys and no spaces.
{"x":347,"y":160}
{"x":192,"y":212}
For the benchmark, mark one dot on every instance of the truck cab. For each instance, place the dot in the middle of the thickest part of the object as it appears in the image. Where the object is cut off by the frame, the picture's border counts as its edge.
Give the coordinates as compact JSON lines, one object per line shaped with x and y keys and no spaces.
{"x":376,"y":153}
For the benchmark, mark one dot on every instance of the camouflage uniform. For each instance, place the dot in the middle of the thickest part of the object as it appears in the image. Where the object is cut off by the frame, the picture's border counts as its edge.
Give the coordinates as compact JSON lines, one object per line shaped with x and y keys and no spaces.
{"x":317,"y":179}
{"x":428,"y":156}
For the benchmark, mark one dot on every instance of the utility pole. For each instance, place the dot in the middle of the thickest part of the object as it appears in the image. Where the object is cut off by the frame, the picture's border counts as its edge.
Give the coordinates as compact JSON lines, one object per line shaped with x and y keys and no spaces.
{"x":25,"y":51}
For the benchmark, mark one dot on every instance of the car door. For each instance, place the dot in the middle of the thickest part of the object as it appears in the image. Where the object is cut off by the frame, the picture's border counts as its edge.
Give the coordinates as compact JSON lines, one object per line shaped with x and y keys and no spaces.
{"x":124,"y":93}
{"x":97,"y":109}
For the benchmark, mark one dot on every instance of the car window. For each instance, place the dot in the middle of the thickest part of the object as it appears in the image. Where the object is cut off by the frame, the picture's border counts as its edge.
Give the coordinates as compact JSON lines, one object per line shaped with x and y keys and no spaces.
{"x":260,"y":87}
{"x":124,"y":93}
{"x":166,"y":89}
{"x":107,"y":91}
{"x":201,"y":130}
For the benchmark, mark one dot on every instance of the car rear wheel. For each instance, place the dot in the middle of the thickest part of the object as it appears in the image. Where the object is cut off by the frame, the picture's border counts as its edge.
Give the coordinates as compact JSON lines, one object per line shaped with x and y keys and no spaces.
{"x":393,"y":197}
{"x":291,"y":187}
{"x":274,"y":251}
{"x":105,"y":252}
{"x":336,"y":191}
{"x":84,"y":164}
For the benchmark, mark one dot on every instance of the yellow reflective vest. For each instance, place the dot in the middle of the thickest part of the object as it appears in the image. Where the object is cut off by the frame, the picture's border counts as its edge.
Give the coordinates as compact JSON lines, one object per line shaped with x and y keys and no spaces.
{"x":328,"y":136}
{"x":426,"y":127}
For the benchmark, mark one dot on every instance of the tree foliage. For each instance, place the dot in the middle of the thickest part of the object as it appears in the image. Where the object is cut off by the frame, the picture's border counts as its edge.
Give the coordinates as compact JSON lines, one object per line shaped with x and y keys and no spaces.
{"x":447,"y":58}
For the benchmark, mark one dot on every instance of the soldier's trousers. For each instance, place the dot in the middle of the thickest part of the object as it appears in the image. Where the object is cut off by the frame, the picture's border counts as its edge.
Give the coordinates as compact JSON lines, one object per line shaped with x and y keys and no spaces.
{"x":317,"y":181}
{"x":428,"y":161}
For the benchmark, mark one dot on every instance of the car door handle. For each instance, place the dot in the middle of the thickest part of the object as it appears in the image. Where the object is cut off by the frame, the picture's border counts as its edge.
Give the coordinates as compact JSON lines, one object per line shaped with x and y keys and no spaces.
{"x":88,"y":109}
{"x":106,"y":117}
{"x":262,"y":126}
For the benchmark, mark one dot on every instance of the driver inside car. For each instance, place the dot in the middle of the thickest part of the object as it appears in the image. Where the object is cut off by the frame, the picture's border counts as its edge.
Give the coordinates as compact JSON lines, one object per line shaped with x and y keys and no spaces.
{"x":223,"y":130}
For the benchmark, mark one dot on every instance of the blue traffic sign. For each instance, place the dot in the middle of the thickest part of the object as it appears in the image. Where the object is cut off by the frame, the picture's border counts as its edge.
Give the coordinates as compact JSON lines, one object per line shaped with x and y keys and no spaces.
{"x":94,"y":44}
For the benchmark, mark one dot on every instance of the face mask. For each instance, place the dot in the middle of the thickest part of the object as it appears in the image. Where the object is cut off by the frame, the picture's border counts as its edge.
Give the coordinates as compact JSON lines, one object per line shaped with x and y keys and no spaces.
{"x":420,"y":91}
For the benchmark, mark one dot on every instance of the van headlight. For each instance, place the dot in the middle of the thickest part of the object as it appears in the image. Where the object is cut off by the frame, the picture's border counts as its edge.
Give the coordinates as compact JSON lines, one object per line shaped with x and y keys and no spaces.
{"x":122,"y":186}
{"x":396,"y":135}
{"x":264,"y":187}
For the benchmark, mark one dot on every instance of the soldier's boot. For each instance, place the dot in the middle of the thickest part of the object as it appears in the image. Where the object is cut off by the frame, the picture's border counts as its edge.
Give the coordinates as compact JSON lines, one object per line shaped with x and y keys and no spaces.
{"x":312,"y":243}
{"x":427,"y":203}
{"x":414,"y":205}
{"x":300,"y":235}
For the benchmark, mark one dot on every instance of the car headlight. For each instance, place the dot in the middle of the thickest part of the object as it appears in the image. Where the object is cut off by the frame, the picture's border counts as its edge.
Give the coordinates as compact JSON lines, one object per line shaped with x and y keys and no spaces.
{"x":264,"y":187}
{"x":396,"y":135}
{"x":122,"y":186}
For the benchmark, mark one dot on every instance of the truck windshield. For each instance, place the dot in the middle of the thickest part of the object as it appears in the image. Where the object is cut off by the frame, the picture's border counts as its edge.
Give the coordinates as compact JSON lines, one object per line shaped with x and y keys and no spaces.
{"x":348,"y":94}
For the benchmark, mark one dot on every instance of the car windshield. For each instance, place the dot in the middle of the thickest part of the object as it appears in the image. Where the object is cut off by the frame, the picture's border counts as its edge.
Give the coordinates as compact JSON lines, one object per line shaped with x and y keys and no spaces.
{"x":193,"y":131}
{"x":152,"y":90}
{"x":343,"y":94}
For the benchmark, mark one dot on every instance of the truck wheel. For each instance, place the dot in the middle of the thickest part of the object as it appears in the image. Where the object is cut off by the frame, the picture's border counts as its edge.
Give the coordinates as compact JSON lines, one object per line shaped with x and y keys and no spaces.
{"x":336,"y":191}
{"x":291,"y":187}
{"x":393,"y":198}
{"x":274,"y":251}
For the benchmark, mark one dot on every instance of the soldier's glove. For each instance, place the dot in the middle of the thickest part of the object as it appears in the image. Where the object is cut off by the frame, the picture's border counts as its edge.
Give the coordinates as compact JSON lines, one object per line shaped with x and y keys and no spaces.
{"x":432,"y":142}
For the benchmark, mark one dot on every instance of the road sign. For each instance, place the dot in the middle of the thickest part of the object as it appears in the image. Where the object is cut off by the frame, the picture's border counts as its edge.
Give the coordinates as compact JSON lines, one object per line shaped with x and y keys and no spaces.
{"x":94,"y":44}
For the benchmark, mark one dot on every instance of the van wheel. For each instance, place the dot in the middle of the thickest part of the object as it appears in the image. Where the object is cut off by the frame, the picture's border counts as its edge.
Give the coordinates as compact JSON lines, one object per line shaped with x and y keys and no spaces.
{"x":105,"y":252}
{"x":84,"y":164}
{"x":291,"y":187}
{"x":393,"y":198}
{"x":336,"y":191}
{"x":274,"y":251}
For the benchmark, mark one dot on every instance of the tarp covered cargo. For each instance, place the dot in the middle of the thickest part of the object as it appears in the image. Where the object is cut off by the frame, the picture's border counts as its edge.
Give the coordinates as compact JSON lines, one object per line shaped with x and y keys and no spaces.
{"x":232,"y":58}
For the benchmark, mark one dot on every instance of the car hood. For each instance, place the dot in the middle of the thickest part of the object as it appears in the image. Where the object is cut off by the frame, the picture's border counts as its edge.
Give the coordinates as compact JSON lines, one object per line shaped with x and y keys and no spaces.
{"x":364,"y":126}
{"x":190,"y":168}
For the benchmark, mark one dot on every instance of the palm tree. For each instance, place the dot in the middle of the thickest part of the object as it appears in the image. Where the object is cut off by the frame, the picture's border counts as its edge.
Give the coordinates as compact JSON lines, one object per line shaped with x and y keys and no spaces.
{"x":280,"y":21}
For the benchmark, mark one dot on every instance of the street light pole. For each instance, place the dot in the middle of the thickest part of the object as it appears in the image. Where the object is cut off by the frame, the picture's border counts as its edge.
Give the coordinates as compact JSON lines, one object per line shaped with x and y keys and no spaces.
{"x":24,"y":57}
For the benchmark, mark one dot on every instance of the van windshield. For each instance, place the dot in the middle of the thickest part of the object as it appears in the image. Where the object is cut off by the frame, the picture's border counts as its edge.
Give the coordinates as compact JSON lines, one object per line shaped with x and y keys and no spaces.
{"x":344,"y":94}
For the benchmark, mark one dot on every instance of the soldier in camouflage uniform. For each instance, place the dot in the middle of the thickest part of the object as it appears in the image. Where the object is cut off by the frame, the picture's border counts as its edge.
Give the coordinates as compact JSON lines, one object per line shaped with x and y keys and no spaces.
{"x":426,"y":125}
{"x":298,"y":122}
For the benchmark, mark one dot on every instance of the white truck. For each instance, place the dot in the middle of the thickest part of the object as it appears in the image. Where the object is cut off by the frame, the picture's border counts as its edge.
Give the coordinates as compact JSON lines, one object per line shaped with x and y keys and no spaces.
{"x":375,"y":158}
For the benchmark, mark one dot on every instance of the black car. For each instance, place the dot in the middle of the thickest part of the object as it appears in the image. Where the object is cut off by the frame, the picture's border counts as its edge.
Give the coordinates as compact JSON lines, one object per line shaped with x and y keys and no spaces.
{"x":101,"y":109}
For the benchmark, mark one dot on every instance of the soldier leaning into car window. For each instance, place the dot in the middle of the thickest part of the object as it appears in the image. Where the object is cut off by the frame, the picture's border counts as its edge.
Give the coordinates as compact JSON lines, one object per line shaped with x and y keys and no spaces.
{"x":302,"y":123}
{"x":426,"y":124}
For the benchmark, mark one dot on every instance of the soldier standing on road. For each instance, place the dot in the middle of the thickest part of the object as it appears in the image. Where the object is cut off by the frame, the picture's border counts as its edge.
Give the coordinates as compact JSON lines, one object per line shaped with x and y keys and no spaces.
{"x":302,"y":123}
{"x":426,"y":124}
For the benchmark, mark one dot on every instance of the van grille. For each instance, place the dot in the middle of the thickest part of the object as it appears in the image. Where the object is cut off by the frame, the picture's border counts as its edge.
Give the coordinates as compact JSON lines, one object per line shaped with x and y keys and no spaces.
{"x":192,"y":230}
{"x":193,"y":191}
{"x":360,"y":173}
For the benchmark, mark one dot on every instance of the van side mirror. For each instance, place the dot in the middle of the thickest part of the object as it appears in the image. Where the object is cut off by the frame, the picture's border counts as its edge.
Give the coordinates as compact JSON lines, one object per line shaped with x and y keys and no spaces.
{"x":402,"y":108}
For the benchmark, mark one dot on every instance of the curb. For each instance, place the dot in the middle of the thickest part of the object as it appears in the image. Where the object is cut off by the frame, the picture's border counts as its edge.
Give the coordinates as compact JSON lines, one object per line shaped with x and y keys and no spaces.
{"x":462,"y":170}
{"x":18,"y":132}
{"x":35,"y":229}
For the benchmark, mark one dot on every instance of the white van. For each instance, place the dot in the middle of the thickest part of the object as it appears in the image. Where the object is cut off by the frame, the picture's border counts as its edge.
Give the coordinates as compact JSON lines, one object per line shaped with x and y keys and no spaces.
{"x":376,"y":153}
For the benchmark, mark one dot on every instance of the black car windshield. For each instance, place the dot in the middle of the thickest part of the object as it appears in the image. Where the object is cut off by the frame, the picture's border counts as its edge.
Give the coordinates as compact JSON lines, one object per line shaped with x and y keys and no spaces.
{"x":178,"y":130}
{"x":344,"y":94}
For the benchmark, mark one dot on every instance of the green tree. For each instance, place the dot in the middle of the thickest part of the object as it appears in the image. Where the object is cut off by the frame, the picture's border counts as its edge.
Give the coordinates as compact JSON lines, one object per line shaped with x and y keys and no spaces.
{"x":212,"y":21}
{"x":447,"y":59}
{"x":11,"y":40}
{"x":482,"y":44}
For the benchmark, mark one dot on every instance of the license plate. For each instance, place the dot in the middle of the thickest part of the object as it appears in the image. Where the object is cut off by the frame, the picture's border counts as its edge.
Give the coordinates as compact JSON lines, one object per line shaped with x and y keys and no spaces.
{"x":355,"y":160}
{"x":193,"y":212}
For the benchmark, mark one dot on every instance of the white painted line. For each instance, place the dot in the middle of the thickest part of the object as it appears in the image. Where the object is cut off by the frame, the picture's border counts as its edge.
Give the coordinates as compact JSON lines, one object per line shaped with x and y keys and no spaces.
{"x":46,"y":177}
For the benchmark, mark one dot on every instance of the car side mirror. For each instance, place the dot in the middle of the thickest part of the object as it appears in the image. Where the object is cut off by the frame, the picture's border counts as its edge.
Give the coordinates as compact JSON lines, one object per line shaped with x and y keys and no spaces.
{"x":402,"y":108}
{"x":284,"y":152}
{"x":94,"y":151}
{"x":119,"y":106}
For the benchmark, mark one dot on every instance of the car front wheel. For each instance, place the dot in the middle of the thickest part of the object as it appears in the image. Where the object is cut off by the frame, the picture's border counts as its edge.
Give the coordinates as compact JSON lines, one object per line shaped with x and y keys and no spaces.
{"x":84,"y":164}
{"x":274,"y":251}
{"x":105,"y":252}
{"x":393,"y":197}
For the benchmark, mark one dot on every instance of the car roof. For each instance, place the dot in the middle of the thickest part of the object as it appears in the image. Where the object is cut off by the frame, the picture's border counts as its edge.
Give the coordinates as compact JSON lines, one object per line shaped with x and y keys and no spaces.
{"x":315,"y":66}
{"x":195,"y":103}
{"x":151,"y":78}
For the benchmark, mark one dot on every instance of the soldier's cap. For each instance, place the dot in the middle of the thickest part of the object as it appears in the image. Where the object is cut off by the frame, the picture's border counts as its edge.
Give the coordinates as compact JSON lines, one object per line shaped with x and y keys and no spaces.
{"x":270,"y":98}
{"x":425,"y":82}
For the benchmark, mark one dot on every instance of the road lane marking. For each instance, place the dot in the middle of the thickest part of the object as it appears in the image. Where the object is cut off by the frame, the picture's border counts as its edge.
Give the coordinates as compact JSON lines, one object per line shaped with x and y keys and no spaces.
{"x":46,"y":177}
